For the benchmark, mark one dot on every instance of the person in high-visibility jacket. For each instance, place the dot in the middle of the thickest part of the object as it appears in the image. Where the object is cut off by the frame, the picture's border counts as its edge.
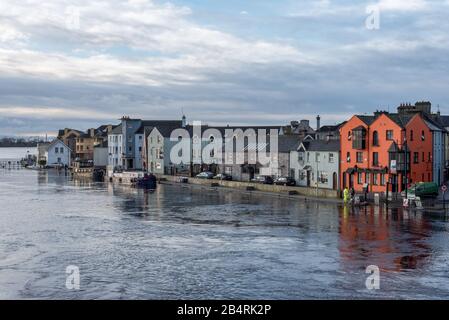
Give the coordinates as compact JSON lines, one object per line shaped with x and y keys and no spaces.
{"x":346,"y":195}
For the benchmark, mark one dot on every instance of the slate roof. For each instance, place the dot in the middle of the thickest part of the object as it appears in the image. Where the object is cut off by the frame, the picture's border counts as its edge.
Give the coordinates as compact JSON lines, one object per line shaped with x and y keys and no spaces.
{"x":321,"y":145}
{"x":158,"y":123}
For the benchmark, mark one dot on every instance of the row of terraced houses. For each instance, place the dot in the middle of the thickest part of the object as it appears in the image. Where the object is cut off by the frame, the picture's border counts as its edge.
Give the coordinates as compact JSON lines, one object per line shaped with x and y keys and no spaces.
{"x":377,"y":151}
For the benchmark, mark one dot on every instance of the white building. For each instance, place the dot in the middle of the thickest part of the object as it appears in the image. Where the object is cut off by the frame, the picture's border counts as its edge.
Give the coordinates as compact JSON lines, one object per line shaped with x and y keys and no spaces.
{"x":101,"y":154}
{"x":316,"y":163}
{"x":54,"y":153}
{"x":126,"y":143}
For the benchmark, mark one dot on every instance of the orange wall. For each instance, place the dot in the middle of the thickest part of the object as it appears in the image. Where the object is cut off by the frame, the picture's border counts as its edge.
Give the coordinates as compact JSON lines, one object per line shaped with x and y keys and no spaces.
{"x":422,"y":171}
{"x":346,"y":146}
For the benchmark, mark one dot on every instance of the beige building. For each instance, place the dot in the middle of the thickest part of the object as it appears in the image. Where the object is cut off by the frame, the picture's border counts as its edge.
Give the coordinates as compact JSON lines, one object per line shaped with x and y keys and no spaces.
{"x":86,"y":142}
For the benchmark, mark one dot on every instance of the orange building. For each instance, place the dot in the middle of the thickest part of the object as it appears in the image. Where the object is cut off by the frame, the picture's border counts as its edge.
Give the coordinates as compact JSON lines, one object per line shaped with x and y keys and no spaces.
{"x":385,"y":149}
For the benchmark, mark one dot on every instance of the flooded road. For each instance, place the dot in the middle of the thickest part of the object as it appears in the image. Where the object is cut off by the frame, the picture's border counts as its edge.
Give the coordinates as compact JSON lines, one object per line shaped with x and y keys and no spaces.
{"x":183,"y":243}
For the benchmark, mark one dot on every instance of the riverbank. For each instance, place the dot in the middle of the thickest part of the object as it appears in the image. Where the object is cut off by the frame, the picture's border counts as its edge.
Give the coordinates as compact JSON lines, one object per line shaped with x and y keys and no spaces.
{"x":431,"y":206}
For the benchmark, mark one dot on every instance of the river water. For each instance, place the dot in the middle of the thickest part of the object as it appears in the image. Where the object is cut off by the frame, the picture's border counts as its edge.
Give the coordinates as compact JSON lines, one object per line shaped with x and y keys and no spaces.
{"x":194,"y":243}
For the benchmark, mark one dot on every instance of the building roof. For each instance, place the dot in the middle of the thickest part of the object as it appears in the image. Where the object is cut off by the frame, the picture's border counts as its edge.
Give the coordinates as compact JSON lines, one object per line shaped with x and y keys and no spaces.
{"x":157,"y":123}
{"x":330,"y":128}
{"x":117,"y":129}
{"x":288,"y":143}
{"x":321,"y":145}
{"x":368,"y":120}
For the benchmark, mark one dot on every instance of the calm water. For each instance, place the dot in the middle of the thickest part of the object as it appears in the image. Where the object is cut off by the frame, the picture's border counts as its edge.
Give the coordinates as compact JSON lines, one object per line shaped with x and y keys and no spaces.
{"x":195,"y":244}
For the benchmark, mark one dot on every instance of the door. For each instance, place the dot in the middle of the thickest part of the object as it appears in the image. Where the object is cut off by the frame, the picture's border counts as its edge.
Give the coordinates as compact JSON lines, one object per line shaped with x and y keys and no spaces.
{"x":308,"y":178}
{"x":334,"y":181}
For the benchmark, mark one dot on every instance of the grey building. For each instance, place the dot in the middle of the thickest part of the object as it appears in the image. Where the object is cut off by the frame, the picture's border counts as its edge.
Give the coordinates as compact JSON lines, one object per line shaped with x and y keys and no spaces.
{"x":316,"y":163}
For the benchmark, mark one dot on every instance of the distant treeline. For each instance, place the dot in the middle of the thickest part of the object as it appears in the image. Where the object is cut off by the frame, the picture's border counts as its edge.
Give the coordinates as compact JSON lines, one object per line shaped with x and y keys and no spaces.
{"x":19,"y":142}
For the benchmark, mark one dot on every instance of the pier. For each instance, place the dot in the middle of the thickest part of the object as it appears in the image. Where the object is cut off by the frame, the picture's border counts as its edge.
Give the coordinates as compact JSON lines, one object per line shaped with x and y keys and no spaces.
{"x":11,"y":164}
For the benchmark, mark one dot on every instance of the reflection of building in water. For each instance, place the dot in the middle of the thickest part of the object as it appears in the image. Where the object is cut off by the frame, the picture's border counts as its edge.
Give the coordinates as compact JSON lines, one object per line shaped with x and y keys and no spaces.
{"x":136,"y":201}
{"x":53,"y":176}
{"x":392,"y":240}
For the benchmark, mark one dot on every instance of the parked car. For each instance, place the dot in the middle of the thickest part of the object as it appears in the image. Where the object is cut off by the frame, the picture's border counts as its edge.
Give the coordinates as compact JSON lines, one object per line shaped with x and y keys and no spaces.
{"x":422,"y":189}
{"x":285,"y":181}
{"x":263,"y":180}
{"x":205,"y":175}
{"x":223,"y":176}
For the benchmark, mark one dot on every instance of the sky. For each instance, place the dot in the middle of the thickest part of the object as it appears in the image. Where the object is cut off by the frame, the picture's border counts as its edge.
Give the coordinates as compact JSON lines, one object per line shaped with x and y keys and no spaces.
{"x":84,"y":63}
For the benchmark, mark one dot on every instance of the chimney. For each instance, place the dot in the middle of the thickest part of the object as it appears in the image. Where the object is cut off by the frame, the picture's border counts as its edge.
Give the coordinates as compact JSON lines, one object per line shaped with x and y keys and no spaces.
{"x":91,"y":132}
{"x":184,"y":121}
{"x":318,"y":122}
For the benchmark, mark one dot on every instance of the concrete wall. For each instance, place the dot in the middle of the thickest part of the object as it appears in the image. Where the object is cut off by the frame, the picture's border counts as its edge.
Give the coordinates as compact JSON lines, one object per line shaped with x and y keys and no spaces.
{"x":100,"y":157}
{"x":310,"y":192}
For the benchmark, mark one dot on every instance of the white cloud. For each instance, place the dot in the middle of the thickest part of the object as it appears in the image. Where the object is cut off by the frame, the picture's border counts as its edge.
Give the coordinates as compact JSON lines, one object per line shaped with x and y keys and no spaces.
{"x":173,"y":49}
{"x":402,"y":5}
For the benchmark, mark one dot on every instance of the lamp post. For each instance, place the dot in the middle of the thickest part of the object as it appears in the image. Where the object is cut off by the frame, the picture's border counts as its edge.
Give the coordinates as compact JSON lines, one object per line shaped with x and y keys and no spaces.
{"x":406,"y":177}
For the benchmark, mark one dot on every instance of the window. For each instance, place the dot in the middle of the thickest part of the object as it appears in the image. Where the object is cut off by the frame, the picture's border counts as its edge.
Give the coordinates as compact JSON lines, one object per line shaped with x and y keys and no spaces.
{"x":140,"y":149}
{"x":323,"y":177}
{"x":375,"y":179}
{"x":349,"y":135}
{"x":411,"y":135}
{"x":430,"y":157}
{"x":367,"y":177}
{"x":61,"y":150}
{"x":130,"y":149}
{"x":331,"y":158}
{"x":359,"y":178}
{"x":140,"y":137}
{"x":301,"y":156}
{"x":423,"y":136}
{"x":389,"y":134}
{"x":56,"y":150}
{"x":382,"y":179}
{"x":359,"y":140}
{"x":359,"y":157}
{"x":375,"y":138}
{"x":348,"y":157}
{"x":428,"y":177}
{"x":308,"y":157}
{"x":415,"y":157}
{"x":375,"y":158}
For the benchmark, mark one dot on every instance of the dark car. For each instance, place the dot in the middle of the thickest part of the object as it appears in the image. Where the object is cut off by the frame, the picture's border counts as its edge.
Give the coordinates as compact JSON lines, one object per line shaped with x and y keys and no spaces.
{"x":205,"y":175}
{"x":285,"y":181}
{"x":223,"y":176}
{"x":263,"y":180}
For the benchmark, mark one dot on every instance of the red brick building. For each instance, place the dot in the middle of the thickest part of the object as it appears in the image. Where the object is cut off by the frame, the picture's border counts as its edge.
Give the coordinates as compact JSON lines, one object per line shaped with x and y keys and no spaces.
{"x":385,"y":148}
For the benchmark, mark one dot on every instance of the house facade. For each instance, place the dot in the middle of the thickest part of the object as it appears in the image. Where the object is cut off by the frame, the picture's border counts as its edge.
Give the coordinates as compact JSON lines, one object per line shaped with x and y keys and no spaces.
{"x":390,"y":150}
{"x":68,"y":137}
{"x":126,"y":143}
{"x":54,"y":153}
{"x":316,"y":163}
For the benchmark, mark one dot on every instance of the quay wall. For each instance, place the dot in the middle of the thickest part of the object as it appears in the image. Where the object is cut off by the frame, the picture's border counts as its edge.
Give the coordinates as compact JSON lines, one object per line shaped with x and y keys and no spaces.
{"x":303,"y":191}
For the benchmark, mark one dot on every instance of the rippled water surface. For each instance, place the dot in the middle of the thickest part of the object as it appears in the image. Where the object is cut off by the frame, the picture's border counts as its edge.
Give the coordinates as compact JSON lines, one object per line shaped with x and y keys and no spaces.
{"x":195,"y":243}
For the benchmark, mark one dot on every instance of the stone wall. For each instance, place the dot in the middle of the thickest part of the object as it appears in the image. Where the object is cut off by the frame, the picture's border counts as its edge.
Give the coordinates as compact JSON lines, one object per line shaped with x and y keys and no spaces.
{"x":304,"y":191}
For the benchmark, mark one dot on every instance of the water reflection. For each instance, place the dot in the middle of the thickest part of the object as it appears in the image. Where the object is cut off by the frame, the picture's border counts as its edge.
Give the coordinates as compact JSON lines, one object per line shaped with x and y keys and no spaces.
{"x":392,"y":239}
{"x":195,"y":242}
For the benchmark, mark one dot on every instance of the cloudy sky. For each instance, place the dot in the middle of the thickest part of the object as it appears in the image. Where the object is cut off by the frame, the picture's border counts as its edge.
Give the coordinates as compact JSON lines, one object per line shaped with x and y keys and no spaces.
{"x":83,"y":63}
